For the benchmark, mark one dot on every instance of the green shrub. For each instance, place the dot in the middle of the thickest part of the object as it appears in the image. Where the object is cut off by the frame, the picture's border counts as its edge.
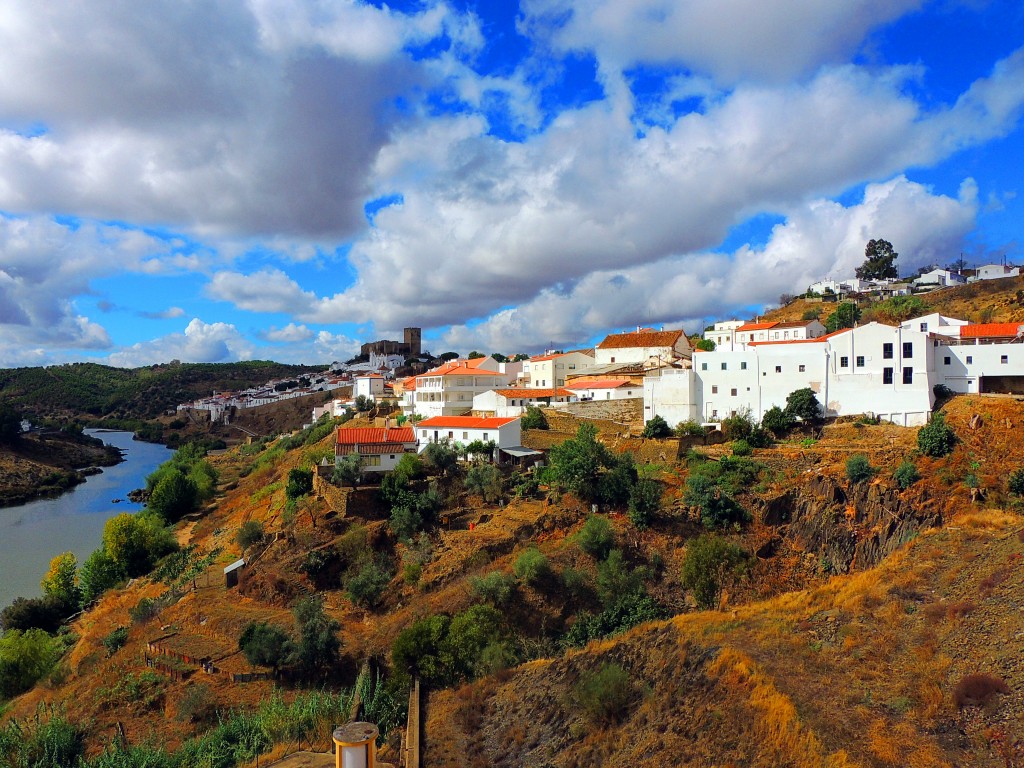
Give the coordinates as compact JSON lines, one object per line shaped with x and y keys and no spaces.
{"x":469,"y":633}
{"x":690,"y":428}
{"x":300,"y":482}
{"x":717,"y":508}
{"x":367,"y":585}
{"x":759,"y":437}
{"x":617,"y":579}
{"x":532,"y":567}
{"x":318,"y":645}
{"x":405,"y":522}
{"x":486,"y":480}
{"x":741,"y":448}
{"x":710,"y":560}
{"x":803,"y":404}
{"x":115,"y":640}
{"x":249,"y":533}
{"x":495,"y":588}
{"x":25,"y":658}
{"x":533,"y":418}
{"x":906,"y":474}
{"x":656,"y":427}
{"x":858,"y":468}
{"x":644,"y":502}
{"x":596,"y":537}
{"x":603,"y":696}
{"x":738,"y":426}
{"x":936,"y":438}
{"x":1016,"y":482}
{"x":197,"y":704}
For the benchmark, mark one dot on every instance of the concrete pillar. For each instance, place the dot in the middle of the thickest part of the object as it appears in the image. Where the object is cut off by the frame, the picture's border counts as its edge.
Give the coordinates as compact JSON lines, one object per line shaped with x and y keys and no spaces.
{"x":355,"y":745}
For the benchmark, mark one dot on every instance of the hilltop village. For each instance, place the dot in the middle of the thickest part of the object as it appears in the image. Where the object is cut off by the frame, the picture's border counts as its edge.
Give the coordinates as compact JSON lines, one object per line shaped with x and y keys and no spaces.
{"x":783,"y":541}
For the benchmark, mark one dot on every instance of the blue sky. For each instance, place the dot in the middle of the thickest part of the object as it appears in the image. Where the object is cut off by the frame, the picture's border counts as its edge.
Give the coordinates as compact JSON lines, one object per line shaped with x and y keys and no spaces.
{"x":236,"y":179}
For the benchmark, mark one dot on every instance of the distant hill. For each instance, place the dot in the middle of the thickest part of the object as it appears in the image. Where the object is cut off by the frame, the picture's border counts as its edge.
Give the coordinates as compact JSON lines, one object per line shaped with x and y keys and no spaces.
{"x":100,"y":391}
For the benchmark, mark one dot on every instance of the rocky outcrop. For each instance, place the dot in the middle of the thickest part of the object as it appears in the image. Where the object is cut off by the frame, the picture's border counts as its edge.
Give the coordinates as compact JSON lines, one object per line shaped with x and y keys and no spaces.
{"x":849,"y":527}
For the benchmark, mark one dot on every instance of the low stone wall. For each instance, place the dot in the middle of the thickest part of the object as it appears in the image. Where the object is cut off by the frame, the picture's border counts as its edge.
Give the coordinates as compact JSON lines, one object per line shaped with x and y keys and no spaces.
{"x":621,"y":411}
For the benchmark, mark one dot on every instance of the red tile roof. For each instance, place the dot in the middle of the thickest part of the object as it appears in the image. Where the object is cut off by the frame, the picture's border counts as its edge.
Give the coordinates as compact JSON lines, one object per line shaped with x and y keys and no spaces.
{"x":643,"y":338}
{"x":755,"y":327}
{"x":461,"y":368}
{"x":375,"y":435}
{"x":466,"y":422}
{"x":377,"y":449}
{"x":990,"y":330}
{"x":599,"y":384}
{"x":528,"y":393}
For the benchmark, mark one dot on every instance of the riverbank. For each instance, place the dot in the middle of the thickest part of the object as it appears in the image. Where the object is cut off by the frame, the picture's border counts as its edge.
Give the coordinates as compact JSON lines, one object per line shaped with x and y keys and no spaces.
{"x":48,"y":463}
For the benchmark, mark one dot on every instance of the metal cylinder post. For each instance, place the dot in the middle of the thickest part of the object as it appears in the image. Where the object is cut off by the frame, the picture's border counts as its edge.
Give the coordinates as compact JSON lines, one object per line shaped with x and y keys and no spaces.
{"x":355,"y":745}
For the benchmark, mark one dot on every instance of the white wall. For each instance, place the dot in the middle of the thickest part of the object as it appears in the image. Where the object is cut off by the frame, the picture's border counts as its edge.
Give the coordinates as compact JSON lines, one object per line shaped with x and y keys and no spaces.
{"x":670,"y":396}
{"x":506,"y":436}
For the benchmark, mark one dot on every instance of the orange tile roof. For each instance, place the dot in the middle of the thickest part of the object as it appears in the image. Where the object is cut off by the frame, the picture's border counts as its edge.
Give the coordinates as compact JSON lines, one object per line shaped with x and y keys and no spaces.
{"x":461,"y":368}
{"x":527,"y":392}
{"x":467,"y":422}
{"x":377,"y":449}
{"x":643,"y":338}
{"x":990,"y":330}
{"x":755,"y":327}
{"x":826,"y":337}
{"x":599,"y":384}
{"x":375,"y":435}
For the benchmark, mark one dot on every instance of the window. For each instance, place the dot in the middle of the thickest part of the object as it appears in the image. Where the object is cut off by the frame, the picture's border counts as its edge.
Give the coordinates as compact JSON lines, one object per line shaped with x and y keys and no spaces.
{"x":778,"y":369}
{"x":465,"y":435}
{"x":970,"y":359}
{"x":370,"y":461}
{"x":703,"y":366}
{"x":714,"y":389}
{"x":785,"y":334}
{"x":908,"y":349}
{"x":714,"y":414}
{"x":451,"y":435}
{"x":908,"y":375}
{"x":887,"y":375}
{"x":743,"y":365}
{"x":485,"y":437}
{"x":924,"y":327}
{"x":776,"y":335}
{"x":844,"y":362}
{"x":725,"y":366}
{"x":613,"y":359}
{"x":1004,"y":359}
{"x":424,"y":432}
{"x":945,"y":360}
{"x":802,"y":368}
{"x":732,"y":392}
{"x":886,"y":352}
{"x":860,"y":361}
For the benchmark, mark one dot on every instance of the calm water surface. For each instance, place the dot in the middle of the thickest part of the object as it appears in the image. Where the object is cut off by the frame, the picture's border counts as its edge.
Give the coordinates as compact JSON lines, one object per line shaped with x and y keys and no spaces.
{"x":32,"y":534}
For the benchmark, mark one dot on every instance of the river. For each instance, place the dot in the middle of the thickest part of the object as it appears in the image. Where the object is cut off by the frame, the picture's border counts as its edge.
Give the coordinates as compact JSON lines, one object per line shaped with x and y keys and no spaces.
{"x":32,"y":534}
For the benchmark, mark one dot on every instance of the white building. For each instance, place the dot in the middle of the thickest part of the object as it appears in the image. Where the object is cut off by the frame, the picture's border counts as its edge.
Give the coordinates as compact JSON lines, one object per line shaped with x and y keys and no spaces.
{"x":505,"y":432}
{"x":645,"y":346}
{"x":794,"y":330}
{"x":514,"y":401}
{"x":389,"y":361}
{"x":379,"y":448}
{"x":994,"y":272}
{"x":935,"y":323}
{"x":874,"y":368}
{"x":940,"y":277}
{"x":606,"y":389}
{"x":723,"y":333}
{"x":369,"y":385}
{"x":448,"y":390}
{"x":551,"y":370}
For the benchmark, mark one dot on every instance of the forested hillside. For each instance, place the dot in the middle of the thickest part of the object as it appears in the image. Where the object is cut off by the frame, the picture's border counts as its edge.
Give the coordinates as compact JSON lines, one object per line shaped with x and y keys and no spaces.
{"x":88,"y":389}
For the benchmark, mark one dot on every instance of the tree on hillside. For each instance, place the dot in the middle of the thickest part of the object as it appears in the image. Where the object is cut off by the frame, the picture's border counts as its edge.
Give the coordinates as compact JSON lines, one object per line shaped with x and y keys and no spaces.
{"x":10,"y":423}
{"x":264,"y":644}
{"x":879,"y":261}
{"x":845,"y":316}
{"x":173,"y":496}
{"x":474,"y":355}
{"x":61,"y":581}
{"x":446,"y":356}
{"x":500,"y":357}
{"x":348,"y":470}
{"x":318,"y":645}
{"x":803,"y":404}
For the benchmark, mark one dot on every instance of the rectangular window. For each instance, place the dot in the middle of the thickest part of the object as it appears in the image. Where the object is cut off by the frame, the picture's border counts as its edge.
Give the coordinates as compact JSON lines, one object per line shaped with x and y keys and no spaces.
{"x":485,"y":437}
{"x":844,"y":362}
{"x":887,"y":351}
{"x":613,"y":359}
{"x":970,"y":359}
{"x":465,"y":435}
{"x":887,"y":375}
{"x":743,"y":366}
{"x":908,"y":349}
{"x":451,"y":435}
{"x":424,"y":432}
{"x":714,"y":389}
{"x":732,"y":392}
{"x":778,"y":369}
{"x":908,"y":375}
{"x":924,"y":327}
{"x":945,"y":360}
{"x":725,"y":366}
{"x":1004,"y":359}
{"x":703,"y":366}
{"x":860,"y":361}
{"x":802,"y":368}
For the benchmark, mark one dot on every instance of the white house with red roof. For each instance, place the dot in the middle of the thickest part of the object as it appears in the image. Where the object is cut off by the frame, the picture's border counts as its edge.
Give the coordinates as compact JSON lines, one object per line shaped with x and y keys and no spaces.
{"x":606,"y":389}
{"x":505,"y":432}
{"x":379,"y":448}
{"x":794,"y":330}
{"x":449,"y":389}
{"x":644,"y":346}
{"x":513,"y":401}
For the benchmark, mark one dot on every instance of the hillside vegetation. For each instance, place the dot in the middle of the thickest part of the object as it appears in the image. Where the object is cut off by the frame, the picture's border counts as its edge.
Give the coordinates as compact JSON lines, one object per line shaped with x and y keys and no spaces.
{"x":848,"y":615}
{"x":92,"y":390}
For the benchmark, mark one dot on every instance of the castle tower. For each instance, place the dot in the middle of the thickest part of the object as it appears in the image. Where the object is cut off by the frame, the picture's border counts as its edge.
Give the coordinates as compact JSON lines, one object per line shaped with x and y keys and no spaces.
{"x":412,"y":339}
